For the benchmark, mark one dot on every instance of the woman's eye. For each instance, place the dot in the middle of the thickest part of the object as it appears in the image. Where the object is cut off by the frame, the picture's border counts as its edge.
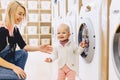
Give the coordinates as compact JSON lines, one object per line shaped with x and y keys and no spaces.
{"x":19,"y":14}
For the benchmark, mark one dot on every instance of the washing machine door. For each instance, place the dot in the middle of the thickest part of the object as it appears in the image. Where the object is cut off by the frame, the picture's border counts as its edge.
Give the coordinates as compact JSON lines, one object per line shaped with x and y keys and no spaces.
{"x":86,"y":33}
{"x":116,"y":51}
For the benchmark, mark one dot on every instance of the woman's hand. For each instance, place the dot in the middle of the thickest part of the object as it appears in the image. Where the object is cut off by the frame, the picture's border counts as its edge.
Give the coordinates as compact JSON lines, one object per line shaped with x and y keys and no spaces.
{"x":46,"y":48}
{"x":20,"y":73}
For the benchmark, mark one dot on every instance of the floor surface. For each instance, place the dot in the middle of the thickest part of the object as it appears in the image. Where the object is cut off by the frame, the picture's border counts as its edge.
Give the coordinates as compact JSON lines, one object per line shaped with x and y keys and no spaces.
{"x":37,"y":69}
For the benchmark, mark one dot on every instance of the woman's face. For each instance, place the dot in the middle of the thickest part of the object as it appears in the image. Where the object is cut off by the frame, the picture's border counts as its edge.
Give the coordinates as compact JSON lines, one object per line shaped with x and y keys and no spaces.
{"x":19,"y":15}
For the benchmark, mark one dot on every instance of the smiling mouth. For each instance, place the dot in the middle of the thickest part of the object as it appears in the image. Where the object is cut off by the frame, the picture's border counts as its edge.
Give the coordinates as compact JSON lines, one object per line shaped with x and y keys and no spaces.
{"x":18,"y":20}
{"x":61,"y":37}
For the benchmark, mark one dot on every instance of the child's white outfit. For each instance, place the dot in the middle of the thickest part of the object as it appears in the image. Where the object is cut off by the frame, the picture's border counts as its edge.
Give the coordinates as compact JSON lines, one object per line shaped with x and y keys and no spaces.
{"x":66,"y":56}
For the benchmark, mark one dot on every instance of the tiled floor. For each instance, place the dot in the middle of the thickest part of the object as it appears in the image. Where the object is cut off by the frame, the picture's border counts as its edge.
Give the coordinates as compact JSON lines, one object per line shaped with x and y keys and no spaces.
{"x":37,"y":69}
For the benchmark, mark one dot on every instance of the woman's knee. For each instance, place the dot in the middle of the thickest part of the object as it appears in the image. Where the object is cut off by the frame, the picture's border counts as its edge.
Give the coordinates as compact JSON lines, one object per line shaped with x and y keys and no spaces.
{"x":22,"y":53}
{"x":21,"y":58}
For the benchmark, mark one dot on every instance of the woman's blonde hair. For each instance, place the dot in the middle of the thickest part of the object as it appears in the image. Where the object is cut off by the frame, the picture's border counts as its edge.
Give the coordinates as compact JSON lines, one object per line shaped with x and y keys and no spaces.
{"x":10,"y":12}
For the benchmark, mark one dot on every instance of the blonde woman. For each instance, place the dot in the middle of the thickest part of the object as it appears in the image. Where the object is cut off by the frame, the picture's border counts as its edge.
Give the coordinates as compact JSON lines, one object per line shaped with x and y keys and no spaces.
{"x":12,"y":63}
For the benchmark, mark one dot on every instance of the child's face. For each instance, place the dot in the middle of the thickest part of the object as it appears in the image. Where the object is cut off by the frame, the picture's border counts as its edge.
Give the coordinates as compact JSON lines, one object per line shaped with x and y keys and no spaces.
{"x":19,"y":15}
{"x":63,"y":33}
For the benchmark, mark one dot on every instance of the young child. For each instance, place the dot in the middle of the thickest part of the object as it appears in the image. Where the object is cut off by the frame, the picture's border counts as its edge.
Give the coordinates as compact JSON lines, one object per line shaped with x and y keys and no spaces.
{"x":65,"y":52}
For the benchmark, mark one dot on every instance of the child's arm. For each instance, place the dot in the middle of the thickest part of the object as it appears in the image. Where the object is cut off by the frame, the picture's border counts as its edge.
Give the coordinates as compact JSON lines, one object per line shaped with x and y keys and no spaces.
{"x":81,"y":47}
{"x":54,"y":55}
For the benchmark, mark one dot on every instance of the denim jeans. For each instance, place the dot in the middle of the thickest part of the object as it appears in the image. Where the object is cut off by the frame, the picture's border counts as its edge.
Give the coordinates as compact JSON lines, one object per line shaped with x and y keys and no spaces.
{"x":19,"y":59}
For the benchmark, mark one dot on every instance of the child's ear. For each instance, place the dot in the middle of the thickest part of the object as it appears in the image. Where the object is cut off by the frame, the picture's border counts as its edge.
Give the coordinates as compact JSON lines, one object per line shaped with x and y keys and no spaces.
{"x":69,"y":33}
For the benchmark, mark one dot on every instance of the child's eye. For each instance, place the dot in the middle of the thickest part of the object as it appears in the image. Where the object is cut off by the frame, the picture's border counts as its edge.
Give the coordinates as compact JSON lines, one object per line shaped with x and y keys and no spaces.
{"x":63,"y":32}
{"x":58,"y":33}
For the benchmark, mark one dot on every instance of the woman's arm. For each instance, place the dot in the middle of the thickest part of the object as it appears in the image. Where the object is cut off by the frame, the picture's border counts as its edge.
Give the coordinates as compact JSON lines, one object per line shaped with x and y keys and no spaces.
{"x":6,"y":64}
{"x":23,"y":45}
{"x":43,"y":48}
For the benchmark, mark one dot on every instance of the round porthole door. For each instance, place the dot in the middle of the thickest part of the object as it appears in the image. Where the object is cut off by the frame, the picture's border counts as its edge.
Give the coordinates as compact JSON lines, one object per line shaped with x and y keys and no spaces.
{"x":116,"y":51}
{"x":86,"y":33}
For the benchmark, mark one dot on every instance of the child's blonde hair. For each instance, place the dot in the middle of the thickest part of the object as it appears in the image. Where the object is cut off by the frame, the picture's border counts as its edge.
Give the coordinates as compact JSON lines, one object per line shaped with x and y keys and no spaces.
{"x":64,"y":25}
{"x":10,"y":12}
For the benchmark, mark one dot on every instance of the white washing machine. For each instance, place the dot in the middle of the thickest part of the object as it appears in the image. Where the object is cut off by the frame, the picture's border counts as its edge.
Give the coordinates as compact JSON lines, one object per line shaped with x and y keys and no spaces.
{"x":90,"y":31}
{"x":114,"y":43}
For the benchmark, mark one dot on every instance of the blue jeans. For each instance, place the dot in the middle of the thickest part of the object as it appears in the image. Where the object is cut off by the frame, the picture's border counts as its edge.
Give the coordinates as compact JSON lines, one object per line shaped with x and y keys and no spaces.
{"x":19,"y":59}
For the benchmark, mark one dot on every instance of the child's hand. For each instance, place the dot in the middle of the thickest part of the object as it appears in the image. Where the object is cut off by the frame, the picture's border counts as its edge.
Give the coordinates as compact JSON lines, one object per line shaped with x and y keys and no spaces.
{"x":48,"y":60}
{"x":83,"y":44}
